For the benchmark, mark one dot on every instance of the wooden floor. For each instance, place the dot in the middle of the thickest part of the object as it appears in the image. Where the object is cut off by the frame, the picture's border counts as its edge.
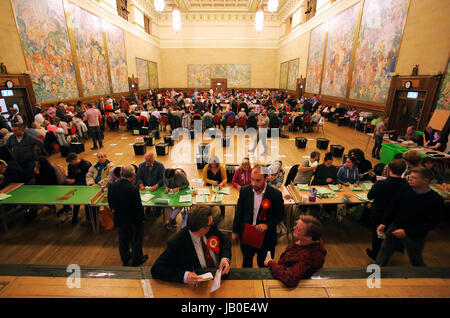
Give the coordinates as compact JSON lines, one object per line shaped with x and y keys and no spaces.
{"x":56,"y":287}
{"x":42,"y":242}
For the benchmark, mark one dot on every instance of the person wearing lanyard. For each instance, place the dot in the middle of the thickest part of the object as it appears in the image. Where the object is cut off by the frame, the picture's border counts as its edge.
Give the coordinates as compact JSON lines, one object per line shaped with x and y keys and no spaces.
{"x":348,"y":173}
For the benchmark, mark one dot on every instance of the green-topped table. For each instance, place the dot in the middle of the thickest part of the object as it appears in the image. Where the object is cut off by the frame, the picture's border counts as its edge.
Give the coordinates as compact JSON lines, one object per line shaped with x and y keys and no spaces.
{"x":51,"y":195}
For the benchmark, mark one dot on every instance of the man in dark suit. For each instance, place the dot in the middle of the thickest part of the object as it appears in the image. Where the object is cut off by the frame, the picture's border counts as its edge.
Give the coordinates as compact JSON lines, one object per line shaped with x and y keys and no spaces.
{"x":125,"y":200}
{"x":261,"y":205}
{"x":199,"y":245}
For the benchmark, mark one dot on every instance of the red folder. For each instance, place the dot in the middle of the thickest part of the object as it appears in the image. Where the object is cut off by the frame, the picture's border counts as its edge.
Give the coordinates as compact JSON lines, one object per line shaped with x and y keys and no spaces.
{"x":252,"y":237}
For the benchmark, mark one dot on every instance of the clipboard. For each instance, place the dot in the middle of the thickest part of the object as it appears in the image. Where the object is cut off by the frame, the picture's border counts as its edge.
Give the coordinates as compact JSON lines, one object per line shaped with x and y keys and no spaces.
{"x":252,"y":237}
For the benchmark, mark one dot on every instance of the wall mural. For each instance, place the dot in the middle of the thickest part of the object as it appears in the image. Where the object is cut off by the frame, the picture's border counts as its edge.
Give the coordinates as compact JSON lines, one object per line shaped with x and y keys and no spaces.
{"x":338,"y":56}
{"x":142,"y":74}
{"x":238,"y":75}
{"x":315,"y":58}
{"x":283,"y":75}
{"x":292,"y":75}
{"x":117,"y":57}
{"x":444,"y":94}
{"x":43,"y":32}
{"x":153,"y":72}
{"x":91,"y":53}
{"x":377,"y":49}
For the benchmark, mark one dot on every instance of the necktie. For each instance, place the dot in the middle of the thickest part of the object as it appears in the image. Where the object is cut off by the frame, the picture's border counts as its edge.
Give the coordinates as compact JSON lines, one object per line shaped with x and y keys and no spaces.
{"x":208,"y":258}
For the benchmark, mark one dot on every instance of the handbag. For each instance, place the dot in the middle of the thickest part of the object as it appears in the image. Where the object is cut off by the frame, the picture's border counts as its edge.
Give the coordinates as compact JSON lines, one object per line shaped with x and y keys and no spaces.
{"x":106,"y":217}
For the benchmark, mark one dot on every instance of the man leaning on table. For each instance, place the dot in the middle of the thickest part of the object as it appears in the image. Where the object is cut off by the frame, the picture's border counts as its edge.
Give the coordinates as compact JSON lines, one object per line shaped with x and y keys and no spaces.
{"x":150,"y":174}
{"x":199,"y":245}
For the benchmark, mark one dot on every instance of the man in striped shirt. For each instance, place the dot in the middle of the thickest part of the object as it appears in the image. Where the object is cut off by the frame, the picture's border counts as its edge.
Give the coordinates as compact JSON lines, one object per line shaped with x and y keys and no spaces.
{"x":94,"y":117}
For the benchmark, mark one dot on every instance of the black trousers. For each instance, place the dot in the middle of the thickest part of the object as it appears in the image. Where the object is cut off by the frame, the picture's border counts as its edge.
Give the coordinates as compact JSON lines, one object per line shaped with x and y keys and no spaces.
{"x":131,"y":237}
{"x":248,"y":252}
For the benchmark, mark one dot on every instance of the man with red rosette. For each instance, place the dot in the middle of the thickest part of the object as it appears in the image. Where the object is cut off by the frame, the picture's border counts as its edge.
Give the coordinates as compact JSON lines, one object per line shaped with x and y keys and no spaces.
{"x":259,"y":210}
{"x":198,"y":246}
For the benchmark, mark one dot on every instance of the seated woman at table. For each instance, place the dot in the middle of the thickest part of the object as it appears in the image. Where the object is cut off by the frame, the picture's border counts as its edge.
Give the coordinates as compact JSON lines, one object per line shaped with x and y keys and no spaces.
{"x":214,"y":174}
{"x":174,"y":180}
{"x":242,"y":174}
{"x":325,"y":173}
{"x":437,"y":143}
{"x":428,"y":163}
{"x":303,"y":257}
{"x":364,"y":165}
{"x":348,"y":173}
{"x":277,"y":174}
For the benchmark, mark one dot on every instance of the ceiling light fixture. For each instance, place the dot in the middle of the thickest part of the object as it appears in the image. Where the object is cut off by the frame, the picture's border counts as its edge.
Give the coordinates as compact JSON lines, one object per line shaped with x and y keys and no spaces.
{"x":176,"y":19}
{"x":159,"y":5}
{"x":259,"y":20}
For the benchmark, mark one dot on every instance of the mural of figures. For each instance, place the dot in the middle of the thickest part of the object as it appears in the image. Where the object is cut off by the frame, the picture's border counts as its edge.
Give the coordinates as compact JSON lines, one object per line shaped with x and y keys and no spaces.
{"x":142,"y":74}
{"x":339,"y":52}
{"x":444,"y":94}
{"x":199,"y":75}
{"x":283,"y":75}
{"x":117,"y":57}
{"x":292,"y":75}
{"x":153,"y":71}
{"x":43,"y":32}
{"x":220,"y":71}
{"x":315,"y":58}
{"x":88,"y":36}
{"x":381,"y":29}
{"x":238,"y":75}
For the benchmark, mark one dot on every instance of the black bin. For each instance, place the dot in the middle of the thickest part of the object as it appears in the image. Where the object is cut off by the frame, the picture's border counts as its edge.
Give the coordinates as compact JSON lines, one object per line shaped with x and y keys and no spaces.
{"x":337,"y":150}
{"x":300,"y":142}
{"x":192,"y":134}
{"x":64,"y":150}
{"x":322,"y":143}
{"x":201,"y":161}
{"x":139,"y":148}
{"x":143,"y":131}
{"x":203,"y":148}
{"x":76,"y":147}
{"x":162,"y":149}
{"x":226,"y":141}
{"x":156,"y":134}
{"x":168,"y":140}
{"x":149,"y":140}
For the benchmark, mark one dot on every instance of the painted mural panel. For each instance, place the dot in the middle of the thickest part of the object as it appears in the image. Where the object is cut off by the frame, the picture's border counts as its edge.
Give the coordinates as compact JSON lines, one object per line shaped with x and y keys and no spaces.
{"x":219,"y":71}
{"x":283,"y":75}
{"x":43,"y":32}
{"x":444,"y":95}
{"x":381,"y":29}
{"x":142,"y":73}
{"x":315,"y":58}
{"x":338,"y":56}
{"x":238,"y":75}
{"x":117,"y":57}
{"x":153,"y":72}
{"x":91,"y":53}
{"x":199,"y":75}
{"x":292,"y":75}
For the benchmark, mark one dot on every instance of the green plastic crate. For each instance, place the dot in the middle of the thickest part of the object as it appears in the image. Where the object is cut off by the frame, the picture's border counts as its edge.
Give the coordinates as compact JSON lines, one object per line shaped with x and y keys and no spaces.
{"x":420,"y":133}
{"x":388,"y":151}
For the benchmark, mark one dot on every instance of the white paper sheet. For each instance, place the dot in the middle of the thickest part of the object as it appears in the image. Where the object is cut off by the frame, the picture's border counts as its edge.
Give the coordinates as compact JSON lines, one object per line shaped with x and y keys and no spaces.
{"x":217,"y":281}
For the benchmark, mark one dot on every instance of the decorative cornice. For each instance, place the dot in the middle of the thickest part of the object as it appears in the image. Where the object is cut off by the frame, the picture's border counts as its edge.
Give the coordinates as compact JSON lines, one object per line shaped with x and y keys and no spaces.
{"x":289,"y":8}
{"x":219,"y":18}
{"x":146,"y":6}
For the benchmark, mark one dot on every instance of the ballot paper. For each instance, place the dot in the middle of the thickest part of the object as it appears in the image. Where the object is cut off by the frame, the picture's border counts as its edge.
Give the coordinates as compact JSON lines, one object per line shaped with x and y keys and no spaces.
{"x":4,"y":196}
{"x":146,"y":197}
{"x":203,"y":191}
{"x":217,"y":198}
{"x":205,"y":277}
{"x":185,"y":198}
{"x":217,"y":280}
{"x":201,"y":198}
{"x":225,"y":190}
{"x":314,"y":163}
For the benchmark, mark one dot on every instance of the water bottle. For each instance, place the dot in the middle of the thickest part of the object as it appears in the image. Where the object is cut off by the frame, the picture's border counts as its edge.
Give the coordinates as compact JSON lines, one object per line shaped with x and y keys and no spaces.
{"x":312,"y":195}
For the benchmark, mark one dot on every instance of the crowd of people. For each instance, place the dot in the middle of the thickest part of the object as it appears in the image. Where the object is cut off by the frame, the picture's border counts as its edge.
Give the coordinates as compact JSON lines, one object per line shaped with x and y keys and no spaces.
{"x":400,"y":195}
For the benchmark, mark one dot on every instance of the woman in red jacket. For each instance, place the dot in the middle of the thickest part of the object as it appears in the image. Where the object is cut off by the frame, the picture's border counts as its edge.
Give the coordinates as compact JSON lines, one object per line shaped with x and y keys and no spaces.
{"x":304,"y":256}
{"x":242,"y":174}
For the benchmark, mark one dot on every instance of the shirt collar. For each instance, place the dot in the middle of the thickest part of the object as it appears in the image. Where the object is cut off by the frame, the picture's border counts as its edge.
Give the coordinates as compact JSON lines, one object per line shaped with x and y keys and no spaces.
{"x":195,"y":238}
{"x":262,"y":193}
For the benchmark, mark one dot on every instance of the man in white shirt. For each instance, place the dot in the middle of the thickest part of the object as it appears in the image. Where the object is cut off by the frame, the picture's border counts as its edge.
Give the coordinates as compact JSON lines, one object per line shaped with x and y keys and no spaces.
{"x":198,"y":246}
{"x":306,"y":169}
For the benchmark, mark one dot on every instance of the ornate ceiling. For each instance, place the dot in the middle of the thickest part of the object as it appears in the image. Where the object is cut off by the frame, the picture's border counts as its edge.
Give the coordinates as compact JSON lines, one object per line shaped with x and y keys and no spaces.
{"x":219,"y":5}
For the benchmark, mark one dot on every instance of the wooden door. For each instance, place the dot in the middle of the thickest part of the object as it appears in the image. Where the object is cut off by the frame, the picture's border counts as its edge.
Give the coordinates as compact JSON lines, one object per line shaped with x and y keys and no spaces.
{"x":219,"y":84}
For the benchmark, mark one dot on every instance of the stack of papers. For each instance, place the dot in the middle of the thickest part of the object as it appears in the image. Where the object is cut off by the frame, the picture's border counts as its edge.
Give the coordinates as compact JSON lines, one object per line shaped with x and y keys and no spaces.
{"x":146,"y":197}
{"x":162,"y":201}
{"x":203,"y":191}
{"x":367,"y":185}
{"x":185,"y":198}
{"x":217,"y":198}
{"x":4,"y":196}
{"x":362,"y":197}
{"x":201,"y":198}
{"x":225,"y":190}
{"x":325,"y":193}
{"x":355,"y":188}
{"x":335,"y":188}
{"x":303,"y":187}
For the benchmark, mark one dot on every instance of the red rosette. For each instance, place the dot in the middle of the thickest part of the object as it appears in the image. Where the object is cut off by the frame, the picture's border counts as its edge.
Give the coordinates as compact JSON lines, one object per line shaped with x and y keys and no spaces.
{"x":213,"y":244}
{"x":266,"y":204}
